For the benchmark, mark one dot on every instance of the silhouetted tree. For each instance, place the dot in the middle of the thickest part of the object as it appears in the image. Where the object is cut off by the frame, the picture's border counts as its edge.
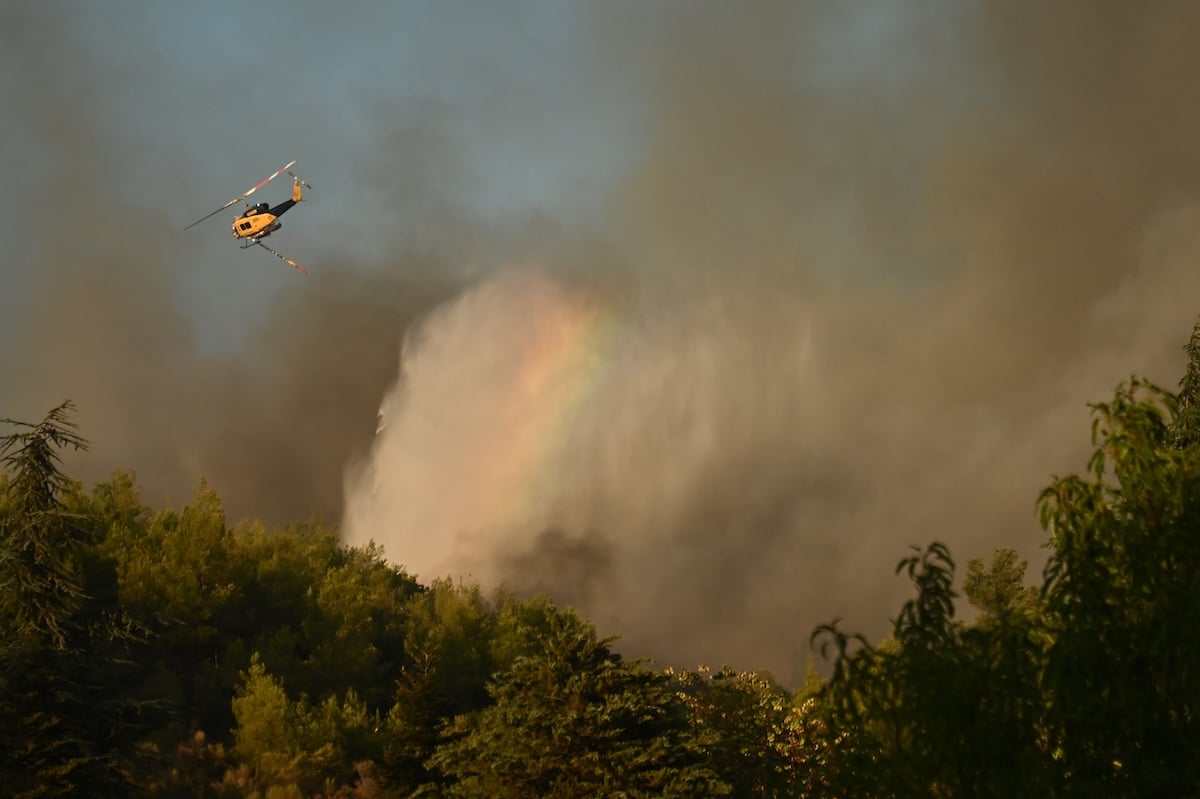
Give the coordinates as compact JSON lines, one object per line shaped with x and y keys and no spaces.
{"x":942,"y":709}
{"x":67,"y":726}
{"x":1123,"y":601}
{"x":40,"y":541}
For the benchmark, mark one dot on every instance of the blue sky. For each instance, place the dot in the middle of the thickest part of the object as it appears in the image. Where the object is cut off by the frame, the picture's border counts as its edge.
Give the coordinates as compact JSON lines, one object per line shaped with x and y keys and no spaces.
{"x":191,"y":103}
{"x":527,"y":108}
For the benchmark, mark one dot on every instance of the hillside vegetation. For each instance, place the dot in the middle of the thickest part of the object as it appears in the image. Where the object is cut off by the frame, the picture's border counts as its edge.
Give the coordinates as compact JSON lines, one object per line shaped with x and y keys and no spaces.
{"x":169,"y":653}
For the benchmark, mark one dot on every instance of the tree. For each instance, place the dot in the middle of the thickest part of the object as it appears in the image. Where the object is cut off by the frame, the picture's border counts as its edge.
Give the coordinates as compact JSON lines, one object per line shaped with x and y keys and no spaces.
{"x":66,"y":725}
{"x":40,"y":541}
{"x":997,"y":589}
{"x":1185,"y":427}
{"x":1122,"y":597}
{"x":944,"y":709}
{"x":286,"y":743}
{"x":752,"y":734}
{"x":575,"y":720}
{"x":179,"y":572}
{"x":356,"y":632}
{"x":448,"y":641}
{"x":1088,"y":689}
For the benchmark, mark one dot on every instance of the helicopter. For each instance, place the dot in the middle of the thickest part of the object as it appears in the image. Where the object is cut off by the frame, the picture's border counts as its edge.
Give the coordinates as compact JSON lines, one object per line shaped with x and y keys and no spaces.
{"x":261,"y":220}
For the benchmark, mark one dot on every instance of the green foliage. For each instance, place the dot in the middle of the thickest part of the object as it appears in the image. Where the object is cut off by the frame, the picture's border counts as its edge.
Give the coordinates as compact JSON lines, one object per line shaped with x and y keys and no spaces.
{"x":357,"y":629}
{"x":265,"y":732}
{"x":946,"y":710}
{"x":292,"y":744}
{"x":519,"y":627}
{"x":41,"y":585}
{"x":178,"y":573}
{"x":1122,"y":600}
{"x":299,"y":667}
{"x":325,"y":619}
{"x":997,"y":589}
{"x":1185,"y":428}
{"x":451,"y":624}
{"x":1086,"y":688}
{"x":450,"y":628}
{"x":754,"y":737}
{"x":574,"y":720}
{"x":67,"y":726}
{"x":279,"y":577}
{"x":181,"y":570}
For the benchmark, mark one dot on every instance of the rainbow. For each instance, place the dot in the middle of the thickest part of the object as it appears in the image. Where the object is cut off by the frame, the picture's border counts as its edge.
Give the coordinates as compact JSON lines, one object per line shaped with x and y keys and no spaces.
{"x":566,"y":355}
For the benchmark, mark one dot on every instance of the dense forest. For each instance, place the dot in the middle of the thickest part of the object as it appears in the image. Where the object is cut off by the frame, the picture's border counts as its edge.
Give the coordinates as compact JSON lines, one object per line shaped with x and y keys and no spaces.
{"x":169,"y":653}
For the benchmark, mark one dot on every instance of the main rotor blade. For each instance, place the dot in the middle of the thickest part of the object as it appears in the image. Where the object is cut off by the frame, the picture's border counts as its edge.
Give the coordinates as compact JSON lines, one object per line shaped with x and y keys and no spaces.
{"x":214,"y":213}
{"x":273,"y":175}
{"x":241,"y":197}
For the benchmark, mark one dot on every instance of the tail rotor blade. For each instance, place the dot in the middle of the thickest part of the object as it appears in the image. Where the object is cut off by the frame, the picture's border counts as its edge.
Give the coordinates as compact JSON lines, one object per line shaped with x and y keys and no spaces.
{"x":303,"y":182}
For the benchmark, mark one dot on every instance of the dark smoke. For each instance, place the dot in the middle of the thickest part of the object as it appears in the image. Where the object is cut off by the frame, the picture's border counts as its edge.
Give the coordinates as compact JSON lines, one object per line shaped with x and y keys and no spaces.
{"x":570,"y":568}
{"x":867,"y":264}
{"x":270,"y":424}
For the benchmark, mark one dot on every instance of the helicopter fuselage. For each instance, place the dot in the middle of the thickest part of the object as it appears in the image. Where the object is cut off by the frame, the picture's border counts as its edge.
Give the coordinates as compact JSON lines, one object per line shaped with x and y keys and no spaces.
{"x":261,"y":220}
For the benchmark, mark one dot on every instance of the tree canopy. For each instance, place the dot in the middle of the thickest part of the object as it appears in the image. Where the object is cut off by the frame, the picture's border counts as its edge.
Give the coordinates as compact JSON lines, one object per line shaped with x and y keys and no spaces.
{"x":165,"y":652}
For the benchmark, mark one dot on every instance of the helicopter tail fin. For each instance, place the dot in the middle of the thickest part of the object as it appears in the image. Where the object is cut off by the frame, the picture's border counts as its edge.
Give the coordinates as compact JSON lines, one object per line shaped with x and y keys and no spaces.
{"x":297,"y":182}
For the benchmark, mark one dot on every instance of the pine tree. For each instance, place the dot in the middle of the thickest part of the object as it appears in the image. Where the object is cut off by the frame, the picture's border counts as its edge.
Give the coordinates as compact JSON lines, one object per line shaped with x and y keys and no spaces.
{"x":66,"y":726}
{"x":40,"y":581}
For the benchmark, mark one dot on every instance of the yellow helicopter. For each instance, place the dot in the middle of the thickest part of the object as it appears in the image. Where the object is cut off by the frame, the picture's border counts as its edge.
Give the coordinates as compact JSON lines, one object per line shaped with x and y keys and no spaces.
{"x":261,"y":220}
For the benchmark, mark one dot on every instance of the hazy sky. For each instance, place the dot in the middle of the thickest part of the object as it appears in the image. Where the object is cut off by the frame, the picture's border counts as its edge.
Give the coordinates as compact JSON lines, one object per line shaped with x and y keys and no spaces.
{"x":693,"y":314}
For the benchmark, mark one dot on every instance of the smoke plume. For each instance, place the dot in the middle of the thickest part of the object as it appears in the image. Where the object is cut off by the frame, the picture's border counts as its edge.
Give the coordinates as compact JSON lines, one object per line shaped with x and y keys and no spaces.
{"x":846,"y":285}
{"x":863,"y":301}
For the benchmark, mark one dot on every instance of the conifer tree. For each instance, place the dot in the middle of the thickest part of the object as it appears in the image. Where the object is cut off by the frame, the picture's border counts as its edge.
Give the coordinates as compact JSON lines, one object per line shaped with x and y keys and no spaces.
{"x":40,"y":583}
{"x":66,"y":728}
